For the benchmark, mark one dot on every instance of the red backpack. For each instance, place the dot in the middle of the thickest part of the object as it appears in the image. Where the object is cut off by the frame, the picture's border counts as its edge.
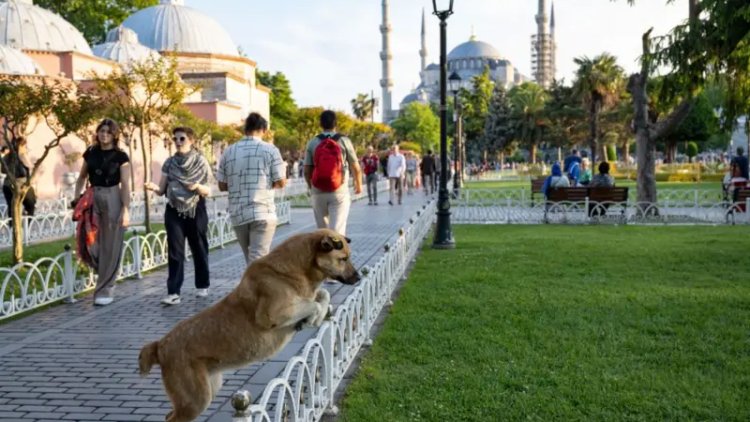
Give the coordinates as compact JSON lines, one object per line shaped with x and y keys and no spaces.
{"x":328,"y":164}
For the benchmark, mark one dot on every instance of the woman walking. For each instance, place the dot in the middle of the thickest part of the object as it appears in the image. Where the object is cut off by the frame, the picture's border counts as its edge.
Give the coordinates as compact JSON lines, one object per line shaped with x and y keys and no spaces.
{"x":184,"y":178}
{"x":107,"y":169}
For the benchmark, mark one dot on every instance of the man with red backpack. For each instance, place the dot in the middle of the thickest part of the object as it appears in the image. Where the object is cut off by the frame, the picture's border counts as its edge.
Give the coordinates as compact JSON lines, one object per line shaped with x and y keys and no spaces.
{"x":329,"y":157}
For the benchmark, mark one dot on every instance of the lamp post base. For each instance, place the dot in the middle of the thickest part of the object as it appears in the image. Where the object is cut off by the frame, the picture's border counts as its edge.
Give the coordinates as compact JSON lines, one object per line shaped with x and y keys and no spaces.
{"x":447,"y":244}
{"x":443,"y":233}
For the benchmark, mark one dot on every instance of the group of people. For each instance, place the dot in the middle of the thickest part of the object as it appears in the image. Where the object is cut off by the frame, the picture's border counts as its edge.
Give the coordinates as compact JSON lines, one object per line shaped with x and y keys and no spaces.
{"x":575,"y":172}
{"x":404,"y":172}
{"x":249,"y":170}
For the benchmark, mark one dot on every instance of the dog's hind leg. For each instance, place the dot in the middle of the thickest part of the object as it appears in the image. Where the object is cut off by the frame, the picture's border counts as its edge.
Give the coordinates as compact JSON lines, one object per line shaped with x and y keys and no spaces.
{"x":189,"y":388}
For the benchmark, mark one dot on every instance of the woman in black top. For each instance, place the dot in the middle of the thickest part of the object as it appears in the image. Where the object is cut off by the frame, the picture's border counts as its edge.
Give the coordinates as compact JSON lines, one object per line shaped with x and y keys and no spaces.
{"x":107,"y":169}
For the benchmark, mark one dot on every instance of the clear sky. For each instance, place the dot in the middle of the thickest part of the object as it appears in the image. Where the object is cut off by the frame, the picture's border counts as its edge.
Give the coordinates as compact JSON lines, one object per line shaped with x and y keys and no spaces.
{"x":330,"y":49}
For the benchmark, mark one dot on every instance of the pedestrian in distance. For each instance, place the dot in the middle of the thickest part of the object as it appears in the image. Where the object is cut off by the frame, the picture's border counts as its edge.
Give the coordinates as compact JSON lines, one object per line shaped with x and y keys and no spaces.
{"x":370,"y":164}
{"x":396,"y":171}
{"x":184,"y":181}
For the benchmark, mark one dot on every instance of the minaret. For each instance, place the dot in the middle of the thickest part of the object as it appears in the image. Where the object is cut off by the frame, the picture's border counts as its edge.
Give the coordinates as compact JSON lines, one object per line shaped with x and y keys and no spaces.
{"x":553,"y":43}
{"x":542,"y":46}
{"x":423,"y":51}
{"x":385,"y":56}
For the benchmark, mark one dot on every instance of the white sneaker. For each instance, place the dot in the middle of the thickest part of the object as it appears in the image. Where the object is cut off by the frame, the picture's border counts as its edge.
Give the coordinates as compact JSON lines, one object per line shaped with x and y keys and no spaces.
{"x":103,"y":301}
{"x":171,"y":300}
{"x":202,"y":292}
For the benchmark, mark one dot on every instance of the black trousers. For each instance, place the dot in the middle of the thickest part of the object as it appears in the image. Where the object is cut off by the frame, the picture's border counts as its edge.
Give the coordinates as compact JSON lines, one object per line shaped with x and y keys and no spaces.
{"x":29,"y":202}
{"x":195,"y":230}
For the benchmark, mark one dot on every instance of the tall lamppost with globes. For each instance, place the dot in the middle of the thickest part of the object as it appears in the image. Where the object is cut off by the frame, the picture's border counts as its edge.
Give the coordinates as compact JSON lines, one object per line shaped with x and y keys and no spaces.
{"x":454,"y":84}
{"x":443,"y":234}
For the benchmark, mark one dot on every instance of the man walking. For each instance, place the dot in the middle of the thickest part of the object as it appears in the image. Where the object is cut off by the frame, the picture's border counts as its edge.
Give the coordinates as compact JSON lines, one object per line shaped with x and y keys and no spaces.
{"x":250,"y":170}
{"x":411,"y":172}
{"x":396,"y":169}
{"x":574,"y":157}
{"x":428,"y":170}
{"x":370,"y":164}
{"x":328,"y":159}
{"x":741,"y":161}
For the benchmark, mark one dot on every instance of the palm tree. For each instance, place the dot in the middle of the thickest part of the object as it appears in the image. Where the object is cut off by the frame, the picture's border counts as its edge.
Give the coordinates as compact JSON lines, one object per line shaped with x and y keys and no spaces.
{"x":528,"y":101}
{"x":363,"y":106}
{"x":598,"y":84}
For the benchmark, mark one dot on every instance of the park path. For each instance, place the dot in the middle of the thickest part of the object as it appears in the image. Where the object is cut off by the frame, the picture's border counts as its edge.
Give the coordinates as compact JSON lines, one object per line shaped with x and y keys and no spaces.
{"x":79,"y":362}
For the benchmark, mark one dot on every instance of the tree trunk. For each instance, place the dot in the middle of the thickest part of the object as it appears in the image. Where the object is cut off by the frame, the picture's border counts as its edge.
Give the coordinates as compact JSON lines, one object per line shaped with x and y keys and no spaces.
{"x":132,"y":170}
{"x":594,"y":129}
{"x":17,"y":207}
{"x":146,"y":178}
{"x":533,"y":153}
{"x":626,"y":152}
{"x":502,"y":160}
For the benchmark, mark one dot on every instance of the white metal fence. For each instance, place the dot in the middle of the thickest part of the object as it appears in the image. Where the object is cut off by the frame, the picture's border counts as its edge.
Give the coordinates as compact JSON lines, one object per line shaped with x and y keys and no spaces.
{"x":27,"y":286}
{"x":515,"y":206}
{"x":306,"y":388}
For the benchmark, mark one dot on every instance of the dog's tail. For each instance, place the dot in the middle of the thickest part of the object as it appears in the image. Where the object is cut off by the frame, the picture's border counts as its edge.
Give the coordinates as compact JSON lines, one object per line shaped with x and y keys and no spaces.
{"x":148,"y":357}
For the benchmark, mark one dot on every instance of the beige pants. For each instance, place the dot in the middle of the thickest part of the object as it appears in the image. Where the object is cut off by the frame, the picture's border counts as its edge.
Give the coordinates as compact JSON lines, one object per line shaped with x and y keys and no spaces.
{"x":255,"y":238}
{"x":331,"y":210}
{"x":107,"y":251}
{"x":396,"y":188}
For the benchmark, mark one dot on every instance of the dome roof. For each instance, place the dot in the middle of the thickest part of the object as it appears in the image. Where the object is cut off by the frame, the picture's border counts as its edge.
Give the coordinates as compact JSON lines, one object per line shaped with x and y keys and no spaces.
{"x":122,"y":46}
{"x":473,"y":49}
{"x":171,"y":26}
{"x":25,"y":26}
{"x":15,"y":62}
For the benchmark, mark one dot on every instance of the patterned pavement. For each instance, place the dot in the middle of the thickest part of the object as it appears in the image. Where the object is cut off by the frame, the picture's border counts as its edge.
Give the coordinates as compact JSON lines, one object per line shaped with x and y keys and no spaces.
{"x":79,"y":362}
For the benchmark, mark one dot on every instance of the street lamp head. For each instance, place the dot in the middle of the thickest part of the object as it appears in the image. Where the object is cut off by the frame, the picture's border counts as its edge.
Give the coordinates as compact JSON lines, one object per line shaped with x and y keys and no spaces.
{"x":442,"y":8}
{"x":454,"y":83}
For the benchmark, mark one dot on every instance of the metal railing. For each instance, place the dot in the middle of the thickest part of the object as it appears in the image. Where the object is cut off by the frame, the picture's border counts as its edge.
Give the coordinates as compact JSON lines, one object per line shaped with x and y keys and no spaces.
{"x":27,"y":286}
{"x":305,"y":390}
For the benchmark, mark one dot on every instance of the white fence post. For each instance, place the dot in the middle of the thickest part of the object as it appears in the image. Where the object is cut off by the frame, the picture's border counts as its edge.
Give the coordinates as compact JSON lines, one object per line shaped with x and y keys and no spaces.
{"x":241,"y":402}
{"x":220,"y":222}
{"x":137,"y":255}
{"x":69,"y":275}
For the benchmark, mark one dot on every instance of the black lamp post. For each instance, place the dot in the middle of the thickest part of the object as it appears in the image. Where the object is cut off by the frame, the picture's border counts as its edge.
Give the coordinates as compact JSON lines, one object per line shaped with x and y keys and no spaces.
{"x":454,"y":84}
{"x":443,"y":234}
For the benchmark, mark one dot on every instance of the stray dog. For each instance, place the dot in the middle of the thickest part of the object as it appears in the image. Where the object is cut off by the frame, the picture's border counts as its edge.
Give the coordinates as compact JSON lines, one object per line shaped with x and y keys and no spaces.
{"x":278,"y":294}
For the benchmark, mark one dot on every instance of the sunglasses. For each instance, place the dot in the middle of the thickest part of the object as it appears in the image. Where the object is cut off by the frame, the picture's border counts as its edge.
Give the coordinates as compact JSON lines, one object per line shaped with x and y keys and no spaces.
{"x":179,"y":138}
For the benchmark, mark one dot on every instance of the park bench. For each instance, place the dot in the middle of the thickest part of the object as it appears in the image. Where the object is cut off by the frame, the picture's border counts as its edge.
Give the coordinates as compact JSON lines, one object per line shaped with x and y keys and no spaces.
{"x":739,"y":203}
{"x":536,"y":187}
{"x":597,"y":200}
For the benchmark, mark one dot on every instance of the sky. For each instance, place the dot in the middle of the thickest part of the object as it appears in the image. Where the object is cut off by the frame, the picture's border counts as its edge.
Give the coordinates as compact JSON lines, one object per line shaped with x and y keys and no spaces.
{"x":329,"y":49}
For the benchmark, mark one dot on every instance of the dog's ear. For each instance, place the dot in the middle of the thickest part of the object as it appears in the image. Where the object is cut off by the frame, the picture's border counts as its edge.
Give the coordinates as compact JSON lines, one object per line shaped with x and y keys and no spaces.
{"x":330,"y":243}
{"x":349,"y":241}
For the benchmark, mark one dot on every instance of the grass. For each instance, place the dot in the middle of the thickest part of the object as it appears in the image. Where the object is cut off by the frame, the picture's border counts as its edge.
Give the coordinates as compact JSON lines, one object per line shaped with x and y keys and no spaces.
{"x":566,"y":323}
{"x":624,"y":183}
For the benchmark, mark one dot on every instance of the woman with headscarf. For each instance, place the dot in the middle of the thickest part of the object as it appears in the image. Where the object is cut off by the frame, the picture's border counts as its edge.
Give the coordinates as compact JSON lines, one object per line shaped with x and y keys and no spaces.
{"x":556,"y":180}
{"x":184,"y":180}
{"x":107,"y":169}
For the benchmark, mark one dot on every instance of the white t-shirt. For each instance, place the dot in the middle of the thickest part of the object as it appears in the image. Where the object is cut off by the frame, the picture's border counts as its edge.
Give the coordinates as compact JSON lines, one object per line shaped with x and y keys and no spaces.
{"x":396,"y":165}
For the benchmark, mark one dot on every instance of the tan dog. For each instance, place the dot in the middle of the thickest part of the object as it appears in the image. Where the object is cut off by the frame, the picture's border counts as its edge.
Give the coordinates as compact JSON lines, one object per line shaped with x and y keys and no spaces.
{"x":278,"y":294}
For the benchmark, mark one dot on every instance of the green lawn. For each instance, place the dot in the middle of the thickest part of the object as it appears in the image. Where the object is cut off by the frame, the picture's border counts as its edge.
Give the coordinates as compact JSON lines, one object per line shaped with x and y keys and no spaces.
{"x":566,"y":323}
{"x":623,"y":183}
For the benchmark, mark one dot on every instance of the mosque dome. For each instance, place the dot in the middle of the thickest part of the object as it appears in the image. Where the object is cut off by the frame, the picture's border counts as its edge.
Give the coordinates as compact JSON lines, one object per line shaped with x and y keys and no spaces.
{"x":171,"y":26}
{"x":29,"y":27}
{"x":122,"y":46}
{"x":474,"y":49}
{"x":15,"y":62}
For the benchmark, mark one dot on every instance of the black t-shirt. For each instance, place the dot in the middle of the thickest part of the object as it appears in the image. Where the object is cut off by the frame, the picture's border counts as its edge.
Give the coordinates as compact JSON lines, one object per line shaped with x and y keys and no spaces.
{"x":104,"y":166}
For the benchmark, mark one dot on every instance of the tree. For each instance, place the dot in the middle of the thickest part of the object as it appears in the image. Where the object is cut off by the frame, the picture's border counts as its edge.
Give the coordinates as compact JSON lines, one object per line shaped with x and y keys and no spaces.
{"x":528,"y":101}
{"x":143,"y":97}
{"x":598,"y":84}
{"x":692,"y":150}
{"x":499,"y":130}
{"x":282,"y":105}
{"x":95,"y":17}
{"x":564,"y":117}
{"x":418,"y":123}
{"x":363,"y":107}
{"x":698,"y":126}
{"x":364,"y":134}
{"x":61,"y":107}
{"x":475,"y":104}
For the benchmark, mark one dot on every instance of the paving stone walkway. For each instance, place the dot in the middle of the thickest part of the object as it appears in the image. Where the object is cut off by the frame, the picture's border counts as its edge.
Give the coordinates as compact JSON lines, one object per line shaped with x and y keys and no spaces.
{"x":79,"y":362}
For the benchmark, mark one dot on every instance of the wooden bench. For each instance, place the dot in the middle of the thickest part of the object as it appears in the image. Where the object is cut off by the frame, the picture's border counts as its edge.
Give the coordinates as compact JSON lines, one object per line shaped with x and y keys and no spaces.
{"x":598,"y":199}
{"x":739,"y":202}
{"x":536,"y":187}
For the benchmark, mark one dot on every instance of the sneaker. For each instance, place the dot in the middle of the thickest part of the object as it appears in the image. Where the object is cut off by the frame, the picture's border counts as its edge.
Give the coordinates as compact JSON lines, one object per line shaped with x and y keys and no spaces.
{"x":201,"y":292}
{"x":103,"y":301}
{"x":171,"y":300}
{"x":376,"y":203}
{"x":390,"y":202}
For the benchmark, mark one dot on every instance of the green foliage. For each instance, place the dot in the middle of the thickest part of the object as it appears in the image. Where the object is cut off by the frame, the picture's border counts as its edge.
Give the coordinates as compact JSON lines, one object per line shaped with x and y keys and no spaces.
{"x":418,"y":123}
{"x":654,"y":328}
{"x":692,"y":150}
{"x":282,"y":104}
{"x":564,"y":116}
{"x":528,"y":101}
{"x":475,"y":105}
{"x":499,"y":126}
{"x":363,"y":106}
{"x":611,"y":153}
{"x":410,"y":146}
{"x":95,"y":17}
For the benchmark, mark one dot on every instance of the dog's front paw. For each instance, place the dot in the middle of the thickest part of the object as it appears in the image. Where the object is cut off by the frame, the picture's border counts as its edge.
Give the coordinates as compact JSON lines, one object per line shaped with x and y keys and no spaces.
{"x":323,"y":298}
{"x":315,"y":319}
